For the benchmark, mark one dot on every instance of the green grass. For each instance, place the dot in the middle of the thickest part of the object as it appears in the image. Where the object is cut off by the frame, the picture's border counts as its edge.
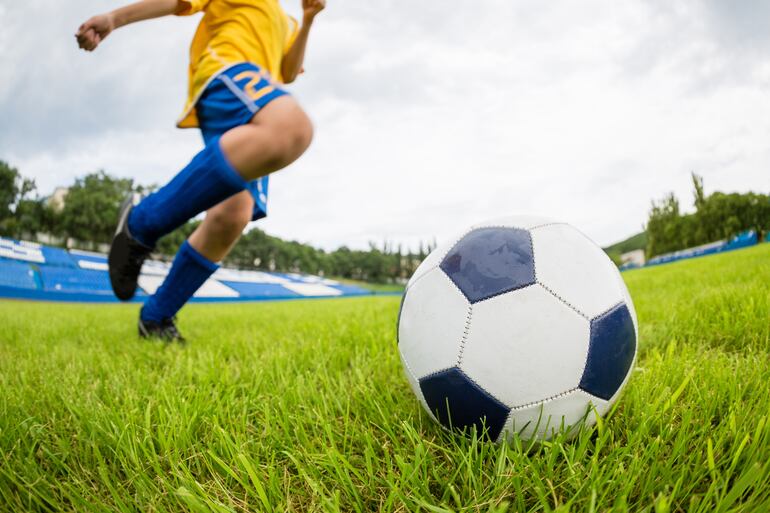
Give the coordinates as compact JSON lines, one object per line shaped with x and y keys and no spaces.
{"x":378,"y":288}
{"x":302,"y":406}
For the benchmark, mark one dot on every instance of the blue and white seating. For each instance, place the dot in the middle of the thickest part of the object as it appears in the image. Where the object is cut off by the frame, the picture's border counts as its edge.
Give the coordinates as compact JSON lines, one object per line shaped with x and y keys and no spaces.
{"x":32,"y":271}
{"x":742,"y":240}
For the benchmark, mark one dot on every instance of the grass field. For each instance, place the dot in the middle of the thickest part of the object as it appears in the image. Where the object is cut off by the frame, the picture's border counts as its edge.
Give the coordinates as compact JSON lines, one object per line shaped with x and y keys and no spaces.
{"x":302,"y":406}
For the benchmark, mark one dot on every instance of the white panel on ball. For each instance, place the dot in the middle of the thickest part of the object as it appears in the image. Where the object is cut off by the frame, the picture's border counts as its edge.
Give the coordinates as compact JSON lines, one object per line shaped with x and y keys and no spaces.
{"x":525,"y":346}
{"x":432,"y":324}
{"x":566,"y":263}
{"x":543,"y":420}
{"x":629,"y":304}
{"x":522,"y":222}
{"x":415,"y":385}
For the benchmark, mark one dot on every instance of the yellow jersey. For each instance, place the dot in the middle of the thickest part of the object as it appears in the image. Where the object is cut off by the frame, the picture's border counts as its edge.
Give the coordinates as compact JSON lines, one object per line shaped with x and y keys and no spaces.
{"x":231,"y":32}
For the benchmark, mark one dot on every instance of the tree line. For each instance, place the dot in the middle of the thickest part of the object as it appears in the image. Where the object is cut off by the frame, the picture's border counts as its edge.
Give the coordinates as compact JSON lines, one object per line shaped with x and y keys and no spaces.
{"x":89,"y":211}
{"x":717,"y":216}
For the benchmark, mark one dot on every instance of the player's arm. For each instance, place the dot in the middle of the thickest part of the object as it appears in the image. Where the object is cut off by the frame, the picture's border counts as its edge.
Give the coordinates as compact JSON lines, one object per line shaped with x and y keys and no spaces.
{"x":93,"y":31}
{"x":292,"y":61}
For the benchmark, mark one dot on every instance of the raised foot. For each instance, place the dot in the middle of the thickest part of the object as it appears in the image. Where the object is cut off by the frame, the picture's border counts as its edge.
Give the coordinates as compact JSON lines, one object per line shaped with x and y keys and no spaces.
{"x":126,"y":256}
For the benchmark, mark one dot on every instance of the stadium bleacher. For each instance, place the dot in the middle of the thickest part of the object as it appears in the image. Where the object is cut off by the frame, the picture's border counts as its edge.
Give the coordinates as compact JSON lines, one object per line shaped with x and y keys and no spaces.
{"x":263,"y":290}
{"x":74,"y":280}
{"x":17,"y":275}
{"x":56,"y":257}
{"x":32,"y":271}
{"x":19,"y":250}
{"x":742,"y":240}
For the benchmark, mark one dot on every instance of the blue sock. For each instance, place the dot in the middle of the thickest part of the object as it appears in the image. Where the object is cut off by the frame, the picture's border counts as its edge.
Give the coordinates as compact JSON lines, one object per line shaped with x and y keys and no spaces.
{"x":207,"y":180}
{"x":189,"y":271}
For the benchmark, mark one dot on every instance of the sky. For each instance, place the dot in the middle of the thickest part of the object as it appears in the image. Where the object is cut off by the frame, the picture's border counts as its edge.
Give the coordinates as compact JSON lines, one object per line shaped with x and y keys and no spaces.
{"x":429,"y":116}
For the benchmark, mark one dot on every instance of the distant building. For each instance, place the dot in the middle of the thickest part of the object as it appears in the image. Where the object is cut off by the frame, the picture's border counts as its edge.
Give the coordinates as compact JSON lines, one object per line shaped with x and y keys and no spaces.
{"x":633,"y":258}
{"x":56,"y":200}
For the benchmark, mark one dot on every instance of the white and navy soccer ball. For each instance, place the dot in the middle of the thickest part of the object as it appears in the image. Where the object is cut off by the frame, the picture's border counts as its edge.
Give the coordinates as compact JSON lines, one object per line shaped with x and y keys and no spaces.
{"x":519,"y":325}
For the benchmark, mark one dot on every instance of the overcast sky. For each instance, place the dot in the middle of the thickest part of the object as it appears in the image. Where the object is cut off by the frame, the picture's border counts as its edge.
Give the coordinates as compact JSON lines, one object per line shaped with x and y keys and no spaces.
{"x":430,"y":115}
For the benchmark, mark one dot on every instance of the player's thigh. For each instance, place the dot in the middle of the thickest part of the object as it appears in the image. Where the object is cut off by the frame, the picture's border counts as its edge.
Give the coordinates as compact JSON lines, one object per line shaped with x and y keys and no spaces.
{"x":287,"y":122}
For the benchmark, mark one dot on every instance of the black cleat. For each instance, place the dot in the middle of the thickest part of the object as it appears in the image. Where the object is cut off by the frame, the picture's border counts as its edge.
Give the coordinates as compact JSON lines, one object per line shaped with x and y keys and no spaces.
{"x":126,"y":256}
{"x":164,"y":330}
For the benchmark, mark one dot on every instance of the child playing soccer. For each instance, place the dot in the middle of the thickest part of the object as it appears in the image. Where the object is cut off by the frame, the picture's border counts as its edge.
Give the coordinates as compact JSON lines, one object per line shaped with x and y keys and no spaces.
{"x":242,"y":52}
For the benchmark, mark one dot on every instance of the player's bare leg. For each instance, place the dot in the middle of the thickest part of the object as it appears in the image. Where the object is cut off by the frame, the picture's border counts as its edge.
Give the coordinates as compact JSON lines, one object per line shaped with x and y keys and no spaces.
{"x":276,"y":137}
{"x":213,"y":240}
{"x":222,"y":227}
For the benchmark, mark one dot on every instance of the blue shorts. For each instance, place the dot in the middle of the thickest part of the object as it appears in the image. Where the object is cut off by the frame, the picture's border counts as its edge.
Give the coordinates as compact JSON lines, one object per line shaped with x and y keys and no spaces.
{"x":232,"y":99}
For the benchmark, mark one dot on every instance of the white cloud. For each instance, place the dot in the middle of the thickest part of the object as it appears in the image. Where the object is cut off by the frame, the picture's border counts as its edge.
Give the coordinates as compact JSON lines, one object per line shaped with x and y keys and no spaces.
{"x":428,"y":118}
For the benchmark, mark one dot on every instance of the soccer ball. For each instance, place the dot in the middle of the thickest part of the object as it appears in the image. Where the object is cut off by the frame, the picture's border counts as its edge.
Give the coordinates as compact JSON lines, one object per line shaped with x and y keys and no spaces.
{"x":519,"y":325}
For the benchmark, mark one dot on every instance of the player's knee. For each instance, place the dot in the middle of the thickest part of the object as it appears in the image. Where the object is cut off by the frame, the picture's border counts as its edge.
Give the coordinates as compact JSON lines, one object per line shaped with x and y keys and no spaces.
{"x":230,"y":222}
{"x":292,"y":137}
{"x":302,"y":135}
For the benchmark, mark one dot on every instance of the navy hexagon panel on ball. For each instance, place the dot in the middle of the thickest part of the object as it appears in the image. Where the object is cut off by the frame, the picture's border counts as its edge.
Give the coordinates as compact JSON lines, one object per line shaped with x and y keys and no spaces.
{"x":459,"y":403}
{"x":610,"y":352}
{"x":488,"y":262}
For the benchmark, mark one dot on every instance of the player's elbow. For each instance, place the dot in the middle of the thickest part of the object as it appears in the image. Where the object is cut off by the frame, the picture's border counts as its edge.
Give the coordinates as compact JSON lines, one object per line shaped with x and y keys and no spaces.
{"x":290,"y":71}
{"x":289,"y":76}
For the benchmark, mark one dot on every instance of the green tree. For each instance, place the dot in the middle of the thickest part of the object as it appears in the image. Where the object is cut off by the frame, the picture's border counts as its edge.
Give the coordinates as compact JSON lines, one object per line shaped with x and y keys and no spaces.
{"x":91,"y":206}
{"x":9,"y":189}
{"x":169,"y":244}
{"x":34,"y":216}
{"x":663,"y":226}
{"x":717,"y":216}
{"x":699,"y":193}
{"x":14,"y":191}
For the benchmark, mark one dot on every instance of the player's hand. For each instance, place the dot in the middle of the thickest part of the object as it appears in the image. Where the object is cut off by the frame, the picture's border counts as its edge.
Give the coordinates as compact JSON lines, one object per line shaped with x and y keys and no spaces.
{"x":312,"y":7}
{"x":93,"y":31}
